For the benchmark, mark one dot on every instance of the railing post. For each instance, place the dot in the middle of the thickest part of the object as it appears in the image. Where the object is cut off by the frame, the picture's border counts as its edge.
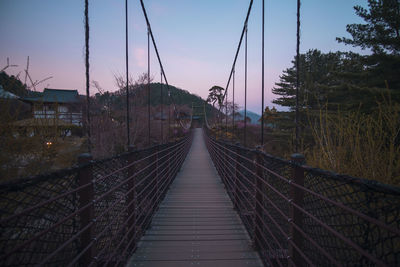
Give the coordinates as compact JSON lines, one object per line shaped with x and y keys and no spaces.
{"x":296,"y":195}
{"x":258,"y":199}
{"x":131,"y":197}
{"x":86,"y":216}
{"x":236,"y":178}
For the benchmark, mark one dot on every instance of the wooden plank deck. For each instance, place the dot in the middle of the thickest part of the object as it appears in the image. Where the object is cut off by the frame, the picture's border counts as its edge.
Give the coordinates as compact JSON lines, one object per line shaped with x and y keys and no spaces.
{"x":196,"y":224}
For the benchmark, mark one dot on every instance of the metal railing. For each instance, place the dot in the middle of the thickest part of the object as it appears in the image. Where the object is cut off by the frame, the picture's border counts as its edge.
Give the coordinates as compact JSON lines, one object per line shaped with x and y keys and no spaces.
{"x":89,"y":215}
{"x":302,"y":216}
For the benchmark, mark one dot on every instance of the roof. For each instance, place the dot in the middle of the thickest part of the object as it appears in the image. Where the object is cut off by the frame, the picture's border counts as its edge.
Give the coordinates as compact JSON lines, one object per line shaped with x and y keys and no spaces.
{"x":56,"y":96}
{"x":6,"y":94}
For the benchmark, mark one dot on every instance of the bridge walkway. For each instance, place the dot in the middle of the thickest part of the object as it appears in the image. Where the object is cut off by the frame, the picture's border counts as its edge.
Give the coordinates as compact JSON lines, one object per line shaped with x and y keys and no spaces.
{"x":196,"y":224}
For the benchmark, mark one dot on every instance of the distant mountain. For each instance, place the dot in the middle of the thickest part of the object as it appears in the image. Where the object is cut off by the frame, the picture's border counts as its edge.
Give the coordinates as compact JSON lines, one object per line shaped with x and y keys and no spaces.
{"x":253,"y":116}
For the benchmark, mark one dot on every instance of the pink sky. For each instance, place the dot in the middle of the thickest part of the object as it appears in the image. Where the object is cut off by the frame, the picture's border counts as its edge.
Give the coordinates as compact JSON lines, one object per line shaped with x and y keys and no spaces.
{"x":196,"y":39}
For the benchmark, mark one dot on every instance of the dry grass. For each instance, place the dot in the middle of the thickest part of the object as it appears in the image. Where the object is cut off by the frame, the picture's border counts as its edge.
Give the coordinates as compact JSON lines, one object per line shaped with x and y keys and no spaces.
{"x":362,"y":145}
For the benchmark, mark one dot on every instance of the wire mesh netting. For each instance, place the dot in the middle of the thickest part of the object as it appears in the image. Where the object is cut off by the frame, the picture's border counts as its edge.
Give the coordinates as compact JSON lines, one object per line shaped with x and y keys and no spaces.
{"x":275,"y":208}
{"x":377,"y":202}
{"x":89,"y":215}
{"x":301,"y":215}
{"x":110,"y":194}
{"x":30,"y":214}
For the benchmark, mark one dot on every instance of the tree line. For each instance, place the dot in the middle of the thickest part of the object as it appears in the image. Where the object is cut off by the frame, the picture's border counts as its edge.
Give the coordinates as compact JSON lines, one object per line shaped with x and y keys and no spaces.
{"x":349,"y":103}
{"x":348,"y":79}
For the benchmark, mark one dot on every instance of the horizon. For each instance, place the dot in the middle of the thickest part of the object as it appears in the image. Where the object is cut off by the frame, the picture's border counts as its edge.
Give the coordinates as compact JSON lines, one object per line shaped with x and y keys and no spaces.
{"x":195,"y":42}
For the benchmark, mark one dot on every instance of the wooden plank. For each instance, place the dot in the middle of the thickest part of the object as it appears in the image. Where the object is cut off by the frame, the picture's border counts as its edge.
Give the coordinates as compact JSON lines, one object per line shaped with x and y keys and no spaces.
{"x":196,"y":244}
{"x":194,"y":255}
{"x":195,"y":219}
{"x":186,"y":249}
{"x":194,"y":237}
{"x":196,"y":232}
{"x":199,"y":227}
{"x":210,"y":223}
{"x":208,"y":263}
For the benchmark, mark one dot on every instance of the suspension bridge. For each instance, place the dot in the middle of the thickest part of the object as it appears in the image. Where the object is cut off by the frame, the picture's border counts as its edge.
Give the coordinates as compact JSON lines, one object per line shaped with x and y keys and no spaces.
{"x":197,"y":201}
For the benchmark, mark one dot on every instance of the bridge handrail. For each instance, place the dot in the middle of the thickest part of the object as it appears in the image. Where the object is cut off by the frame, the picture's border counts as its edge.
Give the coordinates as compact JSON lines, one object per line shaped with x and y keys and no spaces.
{"x":92,"y":214}
{"x":321,"y":218}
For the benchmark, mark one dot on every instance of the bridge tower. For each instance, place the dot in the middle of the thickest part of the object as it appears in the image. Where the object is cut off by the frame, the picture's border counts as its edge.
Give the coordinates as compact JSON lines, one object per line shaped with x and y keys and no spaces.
{"x":197,"y":115}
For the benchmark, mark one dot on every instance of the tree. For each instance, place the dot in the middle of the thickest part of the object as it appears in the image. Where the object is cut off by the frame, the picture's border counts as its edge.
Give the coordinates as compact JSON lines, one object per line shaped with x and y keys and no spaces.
{"x":325,"y":79}
{"x":269,"y":115}
{"x":350,"y":80}
{"x":382,"y":32}
{"x":12,"y":84}
{"x":216,"y":95}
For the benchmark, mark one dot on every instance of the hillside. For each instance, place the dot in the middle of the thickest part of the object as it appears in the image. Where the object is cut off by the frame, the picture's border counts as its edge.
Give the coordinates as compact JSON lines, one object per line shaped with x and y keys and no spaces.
{"x":180,"y":96}
{"x":138,"y":95}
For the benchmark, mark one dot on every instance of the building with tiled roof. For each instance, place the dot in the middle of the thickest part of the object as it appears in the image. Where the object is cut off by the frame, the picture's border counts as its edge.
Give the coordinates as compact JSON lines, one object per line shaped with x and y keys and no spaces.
{"x":63,"y":104}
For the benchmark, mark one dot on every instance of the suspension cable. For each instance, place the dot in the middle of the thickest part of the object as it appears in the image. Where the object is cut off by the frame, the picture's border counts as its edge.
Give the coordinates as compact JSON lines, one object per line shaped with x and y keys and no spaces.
{"x":226,"y":116}
{"x":262,"y":75}
{"x":87,"y":73}
{"x":127,"y":74}
{"x":245,"y":88}
{"x":169,"y":117}
{"x":155,"y":48}
{"x":233,"y":102}
{"x":162,"y":110}
{"x":148,"y":85}
{"x":297,"y":77}
{"x":158,"y":57}
{"x":239,"y":45}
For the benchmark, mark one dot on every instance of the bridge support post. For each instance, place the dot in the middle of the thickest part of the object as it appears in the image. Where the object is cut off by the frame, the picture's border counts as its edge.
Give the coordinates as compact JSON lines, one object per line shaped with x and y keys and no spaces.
{"x":131,"y":199}
{"x":258,"y":201}
{"x":297,"y":196}
{"x":86,"y":216}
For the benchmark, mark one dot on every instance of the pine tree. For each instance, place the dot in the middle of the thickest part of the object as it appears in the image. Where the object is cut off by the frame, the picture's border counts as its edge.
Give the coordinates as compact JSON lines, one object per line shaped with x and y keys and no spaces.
{"x":325,"y":79}
{"x":380,"y":34}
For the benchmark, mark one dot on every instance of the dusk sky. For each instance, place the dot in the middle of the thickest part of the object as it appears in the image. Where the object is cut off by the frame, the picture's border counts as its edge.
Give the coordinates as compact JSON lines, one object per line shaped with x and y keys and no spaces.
{"x":196,"y":39}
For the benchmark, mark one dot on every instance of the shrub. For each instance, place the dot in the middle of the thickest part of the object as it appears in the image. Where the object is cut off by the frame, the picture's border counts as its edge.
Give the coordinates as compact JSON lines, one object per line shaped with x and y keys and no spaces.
{"x":362,"y":145}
